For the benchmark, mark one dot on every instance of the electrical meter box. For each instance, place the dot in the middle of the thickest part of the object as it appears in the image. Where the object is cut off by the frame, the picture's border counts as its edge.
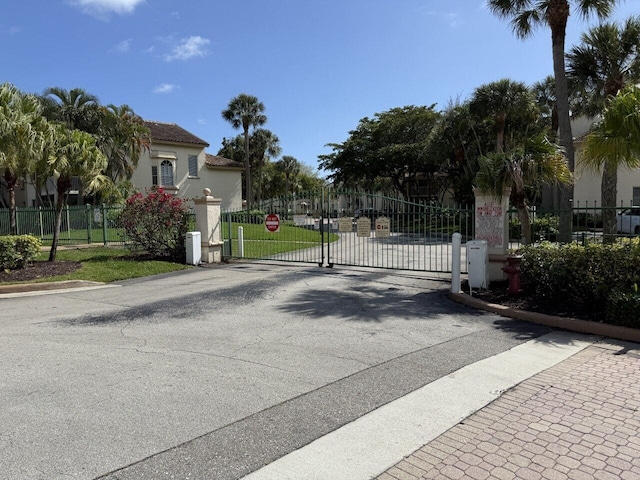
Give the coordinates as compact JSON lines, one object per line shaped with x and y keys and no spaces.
{"x":478,"y":263}
{"x":194,"y":248}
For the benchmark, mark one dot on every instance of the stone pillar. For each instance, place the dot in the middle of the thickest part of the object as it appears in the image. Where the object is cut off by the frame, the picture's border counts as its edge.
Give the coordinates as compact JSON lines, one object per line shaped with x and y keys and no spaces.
{"x":491,"y":224}
{"x":208,"y":224}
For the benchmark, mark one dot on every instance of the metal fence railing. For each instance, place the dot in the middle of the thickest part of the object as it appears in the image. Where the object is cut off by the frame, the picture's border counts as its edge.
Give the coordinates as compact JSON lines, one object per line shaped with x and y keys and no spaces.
{"x":587,"y":224}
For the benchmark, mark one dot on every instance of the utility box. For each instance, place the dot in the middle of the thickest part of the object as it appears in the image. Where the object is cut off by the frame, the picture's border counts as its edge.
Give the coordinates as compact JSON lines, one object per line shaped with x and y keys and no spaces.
{"x":194,"y":248}
{"x":478,"y":263}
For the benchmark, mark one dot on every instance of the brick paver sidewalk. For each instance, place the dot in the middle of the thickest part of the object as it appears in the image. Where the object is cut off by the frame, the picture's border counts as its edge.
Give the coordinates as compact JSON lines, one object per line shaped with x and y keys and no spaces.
{"x":577,"y":420}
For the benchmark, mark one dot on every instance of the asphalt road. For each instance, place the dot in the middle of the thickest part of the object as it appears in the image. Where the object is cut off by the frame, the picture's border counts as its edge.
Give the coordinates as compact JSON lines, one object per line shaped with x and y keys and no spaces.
{"x":215,"y":372}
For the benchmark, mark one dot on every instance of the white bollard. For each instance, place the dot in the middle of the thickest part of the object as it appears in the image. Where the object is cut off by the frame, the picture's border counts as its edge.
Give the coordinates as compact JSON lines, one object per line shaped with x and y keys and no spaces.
{"x":240,"y":242}
{"x":456,"y":246}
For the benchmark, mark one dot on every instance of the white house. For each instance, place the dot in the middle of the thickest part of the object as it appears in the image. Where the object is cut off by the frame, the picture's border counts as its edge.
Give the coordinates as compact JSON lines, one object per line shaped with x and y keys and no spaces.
{"x":177,"y":162}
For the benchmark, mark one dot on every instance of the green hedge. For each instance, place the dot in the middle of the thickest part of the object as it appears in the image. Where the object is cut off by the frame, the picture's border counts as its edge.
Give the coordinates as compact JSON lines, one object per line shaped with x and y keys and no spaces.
{"x":600,"y":278}
{"x":18,"y":250}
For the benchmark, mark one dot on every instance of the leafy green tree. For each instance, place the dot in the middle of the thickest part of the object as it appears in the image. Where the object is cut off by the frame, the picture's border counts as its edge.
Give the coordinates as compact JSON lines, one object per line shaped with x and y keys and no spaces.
{"x":503,"y":102}
{"x":72,"y":153}
{"x":290,"y":167}
{"x":22,"y":129}
{"x":525,"y":16}
{"x":523,"y":168}
{"x":614,"y":142}
{"x":393,"y":145}
{"x":245,"y":111}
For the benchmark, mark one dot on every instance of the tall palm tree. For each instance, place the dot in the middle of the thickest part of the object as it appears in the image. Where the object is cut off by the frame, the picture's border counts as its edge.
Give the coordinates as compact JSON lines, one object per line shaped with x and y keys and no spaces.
{"x":264,"y":145}
{"x":21,"y":133}
{"x":245,"y":111}
{"x":606,"y":60}
{"x":614,"y":142}
{"x":521,"y":169}
{"x":290,"y":167}
{"x":525,"y":16}
{"x":502,"y":101}
{"x":73,"y":153}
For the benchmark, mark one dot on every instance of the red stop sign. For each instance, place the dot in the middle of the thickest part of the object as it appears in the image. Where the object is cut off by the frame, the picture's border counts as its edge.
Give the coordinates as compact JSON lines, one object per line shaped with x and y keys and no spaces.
{"x":272,"y":222}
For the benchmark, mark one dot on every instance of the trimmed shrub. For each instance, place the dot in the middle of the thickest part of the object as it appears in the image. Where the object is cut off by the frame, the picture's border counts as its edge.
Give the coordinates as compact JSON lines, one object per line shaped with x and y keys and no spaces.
{"x":623,"y":308}
{"x":16,"y":251}
{"x":583,"y":277}
{"x":157,"y":223}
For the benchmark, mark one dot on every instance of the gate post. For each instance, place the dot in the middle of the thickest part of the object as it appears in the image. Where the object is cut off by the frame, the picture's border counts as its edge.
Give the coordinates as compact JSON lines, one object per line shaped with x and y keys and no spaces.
{"x":208,"y":224}
{"x":492,"y":226}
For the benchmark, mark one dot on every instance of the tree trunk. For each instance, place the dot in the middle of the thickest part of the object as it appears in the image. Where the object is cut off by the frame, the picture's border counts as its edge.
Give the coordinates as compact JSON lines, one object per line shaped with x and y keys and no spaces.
{"x":525,"y":222}
{"x":558,"y":14}
{"x":63,"y":185}
{"x":609,"y":192}
{"x":247,"y":170}
{"x":11,"y":181}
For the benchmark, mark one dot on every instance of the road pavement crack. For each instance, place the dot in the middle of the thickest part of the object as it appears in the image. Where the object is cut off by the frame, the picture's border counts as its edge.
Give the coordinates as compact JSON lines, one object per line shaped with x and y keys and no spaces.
{"x":228,"y":357}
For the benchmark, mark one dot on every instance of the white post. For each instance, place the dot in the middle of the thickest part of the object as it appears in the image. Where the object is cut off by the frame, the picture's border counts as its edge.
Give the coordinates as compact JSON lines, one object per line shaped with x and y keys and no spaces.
{"x":241,"y":242}
{"x":456,"y":245}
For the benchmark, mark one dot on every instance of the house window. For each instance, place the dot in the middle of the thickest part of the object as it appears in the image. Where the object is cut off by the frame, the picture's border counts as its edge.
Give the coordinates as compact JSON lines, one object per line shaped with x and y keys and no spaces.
{"x":154,"y":175}
{"x":193,"y":165}
{"x":166,"y":173}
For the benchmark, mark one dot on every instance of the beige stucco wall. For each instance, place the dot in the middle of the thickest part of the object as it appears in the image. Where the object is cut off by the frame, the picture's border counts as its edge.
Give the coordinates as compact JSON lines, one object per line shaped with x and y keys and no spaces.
{"x":587,"y":182}
{"x":224,"y":183}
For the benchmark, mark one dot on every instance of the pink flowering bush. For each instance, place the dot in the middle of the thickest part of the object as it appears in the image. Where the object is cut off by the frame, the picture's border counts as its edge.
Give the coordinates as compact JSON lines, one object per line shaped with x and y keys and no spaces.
{"x":156,"y":223}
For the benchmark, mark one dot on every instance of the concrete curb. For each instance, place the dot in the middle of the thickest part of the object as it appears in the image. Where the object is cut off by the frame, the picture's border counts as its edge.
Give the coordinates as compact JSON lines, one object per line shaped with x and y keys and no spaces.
{"x":43,"y":286}
{"x":570,"y":324}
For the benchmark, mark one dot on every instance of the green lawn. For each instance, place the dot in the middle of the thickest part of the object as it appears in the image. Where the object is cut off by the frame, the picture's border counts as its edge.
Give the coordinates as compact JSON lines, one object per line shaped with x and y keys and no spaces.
{"x":107,"y":264}
{"x":259,"y":243}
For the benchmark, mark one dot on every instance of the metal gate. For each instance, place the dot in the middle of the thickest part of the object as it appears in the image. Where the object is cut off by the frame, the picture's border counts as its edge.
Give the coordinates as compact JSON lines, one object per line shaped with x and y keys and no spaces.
{"x":346,"y":228}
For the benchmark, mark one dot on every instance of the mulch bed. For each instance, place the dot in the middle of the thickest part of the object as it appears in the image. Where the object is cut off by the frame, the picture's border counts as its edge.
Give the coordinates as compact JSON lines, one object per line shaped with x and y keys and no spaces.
{"x":497,"y":293}
{"x":38,"y":270}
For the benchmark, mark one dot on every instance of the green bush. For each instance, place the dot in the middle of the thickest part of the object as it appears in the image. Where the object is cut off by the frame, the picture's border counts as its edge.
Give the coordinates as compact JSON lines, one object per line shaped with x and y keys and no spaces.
{"x":623,"y":308}
{"x":18,"y":250}
{"x":254,"y":217}
{"x":544,"y":227}
{"x":157,"y":223}
{"x":578,"y":276}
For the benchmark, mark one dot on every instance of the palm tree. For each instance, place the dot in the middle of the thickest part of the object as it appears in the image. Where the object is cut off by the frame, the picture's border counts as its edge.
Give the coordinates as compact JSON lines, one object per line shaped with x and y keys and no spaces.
{"x":525,"y":16}
{"x":123,"y":140}
{"x":606,"y":60}
{"x":502,"y":101}
{"x":77,"y":108}
{"x":73,"y":153}
{"x":264,"y":145}
{"x":602,"y":65}
{"x":245,"y":111}
{"x":544,"y":93}
{"x":290,"y":167}
{"x":21,"y":131}
{"x":614,"y":142}
{"x":521,"y":169}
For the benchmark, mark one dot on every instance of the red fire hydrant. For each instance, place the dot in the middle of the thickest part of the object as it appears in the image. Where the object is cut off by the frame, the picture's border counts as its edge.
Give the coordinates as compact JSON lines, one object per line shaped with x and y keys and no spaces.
{"x":513,"y":270}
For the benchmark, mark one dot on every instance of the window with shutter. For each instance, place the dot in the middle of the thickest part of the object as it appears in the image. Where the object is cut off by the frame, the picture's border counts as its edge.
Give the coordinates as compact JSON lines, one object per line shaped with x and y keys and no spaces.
{"x":154,"y":175}
{"x":193,"y":165}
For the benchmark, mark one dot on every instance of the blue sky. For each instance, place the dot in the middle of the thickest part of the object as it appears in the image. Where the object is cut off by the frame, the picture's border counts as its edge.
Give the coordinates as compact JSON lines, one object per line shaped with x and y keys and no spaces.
{"x":318,"y":66}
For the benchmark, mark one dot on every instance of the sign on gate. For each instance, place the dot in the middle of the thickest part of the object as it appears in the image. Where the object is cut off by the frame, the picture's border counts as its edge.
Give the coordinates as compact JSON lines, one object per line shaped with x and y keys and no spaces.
{"x":345,"y":224}
{"x":364,"y":227}
{"x":272,"y":223}
{"x":383,"y":227}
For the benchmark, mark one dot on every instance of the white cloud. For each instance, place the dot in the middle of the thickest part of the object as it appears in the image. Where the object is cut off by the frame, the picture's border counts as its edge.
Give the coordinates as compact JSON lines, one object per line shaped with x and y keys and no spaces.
{"x":103,"y":8}
{"x":165,"y":88}
{"x":122,"y":47}
{"x":188,"y":48}
{"x":201,"y":121}
{"x":14,"y":30}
